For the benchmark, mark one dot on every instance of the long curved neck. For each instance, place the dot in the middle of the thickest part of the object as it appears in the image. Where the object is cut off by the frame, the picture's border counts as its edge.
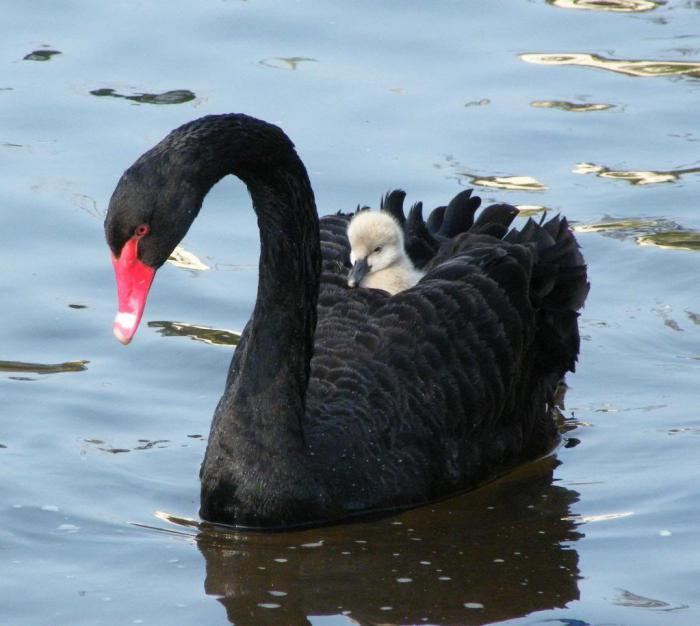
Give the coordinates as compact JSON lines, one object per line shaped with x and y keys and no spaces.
{"x":266,"y":394}
{"x":273,"y":369}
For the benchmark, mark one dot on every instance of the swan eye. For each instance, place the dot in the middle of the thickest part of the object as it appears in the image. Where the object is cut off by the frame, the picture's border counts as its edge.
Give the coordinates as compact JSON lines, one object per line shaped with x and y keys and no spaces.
{"x":377,"y":249}
{"x":141,"y":230}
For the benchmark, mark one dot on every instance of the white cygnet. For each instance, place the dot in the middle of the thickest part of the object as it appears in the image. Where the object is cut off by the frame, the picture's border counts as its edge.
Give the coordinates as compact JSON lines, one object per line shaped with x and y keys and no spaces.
{"x":378,"y":256}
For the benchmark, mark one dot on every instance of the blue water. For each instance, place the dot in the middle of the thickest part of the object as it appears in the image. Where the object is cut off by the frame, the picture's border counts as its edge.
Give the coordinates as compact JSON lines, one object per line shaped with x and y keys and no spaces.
{"x":424,"y":96}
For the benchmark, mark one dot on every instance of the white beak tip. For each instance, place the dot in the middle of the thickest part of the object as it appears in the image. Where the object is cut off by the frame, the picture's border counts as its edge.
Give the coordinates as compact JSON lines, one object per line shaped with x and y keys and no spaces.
{"x":124,"y":327}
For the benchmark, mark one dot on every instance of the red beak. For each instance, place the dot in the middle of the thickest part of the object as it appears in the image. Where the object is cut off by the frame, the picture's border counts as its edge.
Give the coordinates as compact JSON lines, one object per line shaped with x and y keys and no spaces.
{"x":134,"y":279}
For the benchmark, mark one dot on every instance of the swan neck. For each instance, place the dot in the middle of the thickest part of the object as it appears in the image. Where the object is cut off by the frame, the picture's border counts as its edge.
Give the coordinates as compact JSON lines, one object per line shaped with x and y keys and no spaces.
{"x":289,"y":271}
{"x":270,"y":389}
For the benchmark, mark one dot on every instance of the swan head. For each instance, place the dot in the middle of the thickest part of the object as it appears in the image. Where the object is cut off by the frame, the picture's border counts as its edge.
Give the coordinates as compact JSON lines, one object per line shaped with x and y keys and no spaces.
{"x":148,"y":215}
{"x":376,"y":242}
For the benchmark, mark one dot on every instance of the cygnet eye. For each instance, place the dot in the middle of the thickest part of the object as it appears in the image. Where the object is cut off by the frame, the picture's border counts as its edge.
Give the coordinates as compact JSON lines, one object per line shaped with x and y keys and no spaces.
{"x":377,"y":249}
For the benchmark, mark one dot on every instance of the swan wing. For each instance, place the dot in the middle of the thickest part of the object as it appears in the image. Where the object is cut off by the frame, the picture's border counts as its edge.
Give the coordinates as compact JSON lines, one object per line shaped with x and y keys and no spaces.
{"x":426,"y":392}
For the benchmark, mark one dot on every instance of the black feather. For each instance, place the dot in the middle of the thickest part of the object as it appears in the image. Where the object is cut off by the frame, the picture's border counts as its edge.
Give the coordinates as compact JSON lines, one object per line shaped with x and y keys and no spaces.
{"x":392,"y":203}
{"x":420,"y":244}
{"x":458,"y":217}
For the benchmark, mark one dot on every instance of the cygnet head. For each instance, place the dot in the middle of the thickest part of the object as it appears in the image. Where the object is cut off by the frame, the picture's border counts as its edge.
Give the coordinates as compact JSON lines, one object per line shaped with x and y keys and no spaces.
{"x":376,"y":242}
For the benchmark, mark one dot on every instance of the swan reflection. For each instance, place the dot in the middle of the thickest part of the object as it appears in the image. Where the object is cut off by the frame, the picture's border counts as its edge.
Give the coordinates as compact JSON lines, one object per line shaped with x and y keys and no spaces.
{"x":497,"y":553}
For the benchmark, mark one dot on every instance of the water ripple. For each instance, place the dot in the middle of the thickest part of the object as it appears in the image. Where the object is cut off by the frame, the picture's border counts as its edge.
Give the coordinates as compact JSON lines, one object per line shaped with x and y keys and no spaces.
{"x":187,"y":260}
{"x":627,"y":598}
{"x":635,"y":177}
{"x":176,"y":96}
{"x":574,"y":107}
{"x":657,"y":232}
{"x":285,"y":63}
{"x":207,"y":334}
{"x":628,"y":67}
{"x":528,"y":210}
{"x":614,"y":6}
{"x":673,"y":240}
{"x":511,"y":183}
{"x":41,"y":55}
{"x":43,"y":368}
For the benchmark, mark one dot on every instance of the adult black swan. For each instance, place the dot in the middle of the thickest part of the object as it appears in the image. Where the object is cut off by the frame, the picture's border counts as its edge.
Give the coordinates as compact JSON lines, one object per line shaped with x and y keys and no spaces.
{"x":342,"y":402}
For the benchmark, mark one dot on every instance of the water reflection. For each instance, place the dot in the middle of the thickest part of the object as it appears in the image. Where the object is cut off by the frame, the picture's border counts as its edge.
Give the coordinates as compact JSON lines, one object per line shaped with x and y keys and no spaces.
{"x":142,"y":444}
{"x":635,"y":177}
{"x":286,"y":63}
{"x":518,"y":183}
{"x":41,"y":55}
{"x":187,"y":260}
{"x":528,"y":210}
{"x":176,"y":96}
{"x":43,"y":368}
{"x":616,"y":6}
{"x":627,"y":598}
{"x":574,"y":107}
{"x":674,"y":239}
{"x":478,"y":103}
{"x":497,"y":553}
{"x":207,"y":334}
{"x":509,"y":183}
{"x":658,"y":232}
{"x":628,"y":67}
{"x":601,"y":517}
{"x":626,"y":228}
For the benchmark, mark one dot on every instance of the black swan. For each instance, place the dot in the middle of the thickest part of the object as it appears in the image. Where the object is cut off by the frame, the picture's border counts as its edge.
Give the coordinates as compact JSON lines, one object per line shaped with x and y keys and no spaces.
{"x":345,"y":402}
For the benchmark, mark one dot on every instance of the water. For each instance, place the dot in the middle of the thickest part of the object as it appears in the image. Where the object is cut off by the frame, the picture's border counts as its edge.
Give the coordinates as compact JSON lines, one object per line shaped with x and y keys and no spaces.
{"x":96,"y":439}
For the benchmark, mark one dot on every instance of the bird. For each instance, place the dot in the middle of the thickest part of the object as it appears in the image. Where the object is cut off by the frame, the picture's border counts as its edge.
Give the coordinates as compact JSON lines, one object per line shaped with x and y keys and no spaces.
{"x":343,"y":403}
{"x":377,"y":253}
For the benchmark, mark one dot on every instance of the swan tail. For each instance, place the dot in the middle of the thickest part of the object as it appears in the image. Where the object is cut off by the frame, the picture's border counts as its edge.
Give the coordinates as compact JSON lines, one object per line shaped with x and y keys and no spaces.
{"x":435,"y":219}
{"x":494,"y":220}
{"x":392,"y":203}
{"x":485,"y":232}
{"x":445,"y":222}
{"x":558,"y":289}
{"x":424,"y":237}
{"x":459,"y":214}
{"x":420,"y":244}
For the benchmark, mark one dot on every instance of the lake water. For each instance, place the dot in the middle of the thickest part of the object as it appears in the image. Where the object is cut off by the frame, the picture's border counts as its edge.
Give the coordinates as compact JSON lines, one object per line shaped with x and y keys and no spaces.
{"x":589,"y":107}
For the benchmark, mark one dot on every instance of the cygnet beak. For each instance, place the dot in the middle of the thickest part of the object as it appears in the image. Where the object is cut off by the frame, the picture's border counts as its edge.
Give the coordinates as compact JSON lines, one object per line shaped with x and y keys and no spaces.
{"x":358,"y":272}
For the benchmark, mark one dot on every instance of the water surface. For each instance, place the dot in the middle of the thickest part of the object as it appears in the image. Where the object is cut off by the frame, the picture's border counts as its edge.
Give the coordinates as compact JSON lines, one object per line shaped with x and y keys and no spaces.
{"x":580,"y":106}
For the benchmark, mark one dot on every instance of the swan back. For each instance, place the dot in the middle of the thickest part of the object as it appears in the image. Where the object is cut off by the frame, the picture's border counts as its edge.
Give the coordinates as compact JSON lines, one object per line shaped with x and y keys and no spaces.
{"x":378,"y":254}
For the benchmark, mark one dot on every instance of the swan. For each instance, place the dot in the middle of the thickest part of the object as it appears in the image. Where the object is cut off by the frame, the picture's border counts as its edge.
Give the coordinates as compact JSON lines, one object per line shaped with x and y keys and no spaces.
{"x":344,"y":402}
{"x":377,"y":253}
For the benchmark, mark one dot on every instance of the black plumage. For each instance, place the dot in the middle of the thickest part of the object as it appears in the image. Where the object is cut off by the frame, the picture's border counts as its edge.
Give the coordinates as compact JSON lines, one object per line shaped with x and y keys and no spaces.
{"x":392,"y":202}
{"x":343,"y":402}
